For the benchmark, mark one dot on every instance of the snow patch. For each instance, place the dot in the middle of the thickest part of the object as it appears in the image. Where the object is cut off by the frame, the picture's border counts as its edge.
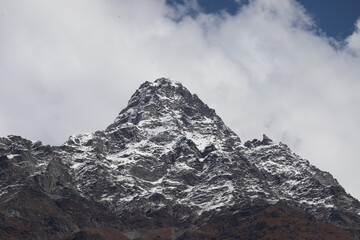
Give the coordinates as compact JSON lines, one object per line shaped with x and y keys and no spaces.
{"x":182,"y":166}
{"x":11,"y":156}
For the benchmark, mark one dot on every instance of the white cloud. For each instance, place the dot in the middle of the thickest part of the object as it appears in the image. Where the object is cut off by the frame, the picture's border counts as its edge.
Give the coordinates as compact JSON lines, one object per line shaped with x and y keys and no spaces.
{"x":353,"y":41}
{"x":70,"y":66}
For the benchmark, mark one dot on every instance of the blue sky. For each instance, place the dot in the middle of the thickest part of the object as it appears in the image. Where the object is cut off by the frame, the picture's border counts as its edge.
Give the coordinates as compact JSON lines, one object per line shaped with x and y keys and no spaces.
{"x":335,"y":18}
{"x":69,"y":67}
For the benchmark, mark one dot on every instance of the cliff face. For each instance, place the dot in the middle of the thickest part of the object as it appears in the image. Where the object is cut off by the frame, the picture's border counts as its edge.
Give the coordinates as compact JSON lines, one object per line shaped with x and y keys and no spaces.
{"x":168,"y":168}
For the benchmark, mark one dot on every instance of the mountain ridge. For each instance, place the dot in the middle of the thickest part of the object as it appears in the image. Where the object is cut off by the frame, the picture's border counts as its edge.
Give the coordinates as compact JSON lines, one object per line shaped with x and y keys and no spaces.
{"x":168,"y":161}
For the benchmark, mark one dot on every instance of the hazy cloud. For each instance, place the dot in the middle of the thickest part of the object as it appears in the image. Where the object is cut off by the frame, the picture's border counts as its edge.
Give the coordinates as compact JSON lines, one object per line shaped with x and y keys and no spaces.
{"x":68,"y":67}
{"x":353,"y":41}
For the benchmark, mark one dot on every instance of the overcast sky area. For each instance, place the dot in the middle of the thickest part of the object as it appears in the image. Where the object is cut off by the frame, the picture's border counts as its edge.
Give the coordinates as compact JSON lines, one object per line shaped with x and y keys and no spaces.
{"x":69,"y":67}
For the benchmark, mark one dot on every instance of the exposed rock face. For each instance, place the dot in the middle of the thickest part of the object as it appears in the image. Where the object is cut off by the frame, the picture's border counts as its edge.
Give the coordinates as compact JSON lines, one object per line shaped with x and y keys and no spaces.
{"x":169,"y":168}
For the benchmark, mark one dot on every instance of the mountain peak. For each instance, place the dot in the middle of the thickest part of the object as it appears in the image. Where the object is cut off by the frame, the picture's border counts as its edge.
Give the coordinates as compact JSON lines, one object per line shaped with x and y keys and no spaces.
{"x":161,"y":85}
{"x":161,"y":97}
{"x":165,"y":82}
{"x":165,"y":106}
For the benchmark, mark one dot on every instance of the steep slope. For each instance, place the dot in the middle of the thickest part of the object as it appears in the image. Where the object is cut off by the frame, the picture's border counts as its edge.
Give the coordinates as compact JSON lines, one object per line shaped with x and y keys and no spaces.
{"x":299,"y":184}
{"x":168,"y":166}
{"x":168,"y":146}
{"x":38,"y":197}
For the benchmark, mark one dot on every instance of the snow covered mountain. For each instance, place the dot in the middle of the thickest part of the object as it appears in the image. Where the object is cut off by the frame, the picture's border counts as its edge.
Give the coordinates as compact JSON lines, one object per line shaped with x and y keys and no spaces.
{"x":168,"y":167}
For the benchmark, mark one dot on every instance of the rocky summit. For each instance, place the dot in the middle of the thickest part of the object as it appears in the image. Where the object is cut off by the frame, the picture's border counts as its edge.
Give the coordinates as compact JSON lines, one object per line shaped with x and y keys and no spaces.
{"x":168,"y":168}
